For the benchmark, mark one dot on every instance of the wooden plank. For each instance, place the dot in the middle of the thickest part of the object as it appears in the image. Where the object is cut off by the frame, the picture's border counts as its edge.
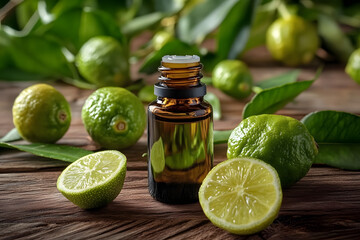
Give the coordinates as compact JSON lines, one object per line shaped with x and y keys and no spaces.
{"x":323,"y":204}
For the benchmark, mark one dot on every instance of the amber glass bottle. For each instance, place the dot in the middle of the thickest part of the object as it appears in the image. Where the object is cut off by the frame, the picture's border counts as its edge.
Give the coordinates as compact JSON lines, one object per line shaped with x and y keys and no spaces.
{"x":180,"y":132}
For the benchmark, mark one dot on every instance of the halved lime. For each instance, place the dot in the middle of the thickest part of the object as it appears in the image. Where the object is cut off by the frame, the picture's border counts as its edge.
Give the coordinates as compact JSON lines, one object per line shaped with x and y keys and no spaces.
{"x":241,"y":195}
{"x":94,"y":180}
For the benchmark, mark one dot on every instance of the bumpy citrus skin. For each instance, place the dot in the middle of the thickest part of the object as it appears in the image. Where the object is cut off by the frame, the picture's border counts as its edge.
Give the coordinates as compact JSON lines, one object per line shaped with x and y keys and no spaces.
{"x":353,"y":66}
{"x":41,"y":114}
{"x":233,"y":78}
{"x":91,"y":194}
{"x":292,"y":40}
{"x":281,"y":141}
{"x":103,"y":61}
{"x":114,"y":117}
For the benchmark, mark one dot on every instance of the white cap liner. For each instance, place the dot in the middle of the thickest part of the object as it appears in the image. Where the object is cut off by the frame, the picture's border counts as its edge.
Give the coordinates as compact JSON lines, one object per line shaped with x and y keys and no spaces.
{"x":180,"y":59}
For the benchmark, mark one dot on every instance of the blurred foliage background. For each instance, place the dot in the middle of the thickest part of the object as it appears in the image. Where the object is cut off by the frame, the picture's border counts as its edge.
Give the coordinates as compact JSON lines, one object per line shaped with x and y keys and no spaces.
{"x":40,"y":39}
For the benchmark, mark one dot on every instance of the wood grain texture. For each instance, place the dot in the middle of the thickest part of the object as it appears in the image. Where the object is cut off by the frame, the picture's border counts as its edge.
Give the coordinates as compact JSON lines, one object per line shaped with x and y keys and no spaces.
{"x":323,"y":205}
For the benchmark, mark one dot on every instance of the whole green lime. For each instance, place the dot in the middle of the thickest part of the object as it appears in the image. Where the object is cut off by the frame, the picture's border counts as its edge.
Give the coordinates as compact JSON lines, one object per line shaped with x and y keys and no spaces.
{"x":103,"y":62}
{"x":281,"y":141}
{"x":292,"y":40}
{"x":114,"y":117}
{"x":41,"y":114}
{"x":233,"y":78}
{"x":353,"y":66}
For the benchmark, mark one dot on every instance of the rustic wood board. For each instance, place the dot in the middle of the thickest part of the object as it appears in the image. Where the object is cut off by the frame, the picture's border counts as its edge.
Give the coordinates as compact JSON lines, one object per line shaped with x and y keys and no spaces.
{"x":323,"y":205}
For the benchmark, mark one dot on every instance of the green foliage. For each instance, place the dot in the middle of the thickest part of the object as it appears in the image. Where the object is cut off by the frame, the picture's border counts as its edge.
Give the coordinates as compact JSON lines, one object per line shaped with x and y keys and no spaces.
{"x":338,"y":135}
{"x":54,"y":151}
{"x":273,"y":99}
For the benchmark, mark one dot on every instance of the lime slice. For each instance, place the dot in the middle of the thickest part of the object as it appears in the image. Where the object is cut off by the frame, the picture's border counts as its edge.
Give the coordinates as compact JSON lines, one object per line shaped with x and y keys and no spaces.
{"x":94,"y":180}
{"x":157,"y":156}
{"x":241,"y":195}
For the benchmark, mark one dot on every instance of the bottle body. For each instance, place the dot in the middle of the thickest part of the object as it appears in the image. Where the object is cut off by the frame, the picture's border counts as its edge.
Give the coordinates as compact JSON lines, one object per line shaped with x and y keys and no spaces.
{"x":180,"y":132}
{"x":180,"y":140}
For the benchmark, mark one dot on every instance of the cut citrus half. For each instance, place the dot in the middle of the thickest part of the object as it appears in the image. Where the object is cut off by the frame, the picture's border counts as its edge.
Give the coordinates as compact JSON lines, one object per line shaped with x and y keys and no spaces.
{"x":93,"y":180}
{"x":241,"y":195}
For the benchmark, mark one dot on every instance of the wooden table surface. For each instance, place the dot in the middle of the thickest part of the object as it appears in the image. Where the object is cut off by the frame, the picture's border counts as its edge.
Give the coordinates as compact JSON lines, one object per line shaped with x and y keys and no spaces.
{"x":325,"y":204}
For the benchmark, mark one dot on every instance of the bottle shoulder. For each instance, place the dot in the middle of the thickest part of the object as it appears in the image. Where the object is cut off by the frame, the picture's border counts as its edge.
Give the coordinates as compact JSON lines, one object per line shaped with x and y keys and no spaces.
{"x":201,"y":109}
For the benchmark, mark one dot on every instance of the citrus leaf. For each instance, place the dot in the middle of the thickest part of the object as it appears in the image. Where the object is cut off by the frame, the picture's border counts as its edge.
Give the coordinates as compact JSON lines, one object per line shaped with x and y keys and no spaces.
{"x":282,"y":79}
{"x":203,"y":19}
{"x":85,"y":23}
{"x":338,"y":135}
{"x":221,"y":136}
{"x":174,"y":47}
{"x":333,"y":127}
{"x":273,"y":99}
{"x":263,"y":19}
{"x":141,"y":23}
{"x":344,"y":156}
{"x":334,"y":38}
{"x":11,"y":136}
{"x":215,"y":103}
{"x":54,"y":151}
{"x":234,"y":31}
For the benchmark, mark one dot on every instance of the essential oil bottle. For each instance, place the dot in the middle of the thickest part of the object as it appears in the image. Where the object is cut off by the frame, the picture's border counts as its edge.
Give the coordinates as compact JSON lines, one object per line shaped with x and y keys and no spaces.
{"x":180,"y":132}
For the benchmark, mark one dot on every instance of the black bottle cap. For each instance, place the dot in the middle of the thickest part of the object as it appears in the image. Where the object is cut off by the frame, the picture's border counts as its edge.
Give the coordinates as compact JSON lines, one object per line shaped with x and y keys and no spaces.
{"x":180,"y":93}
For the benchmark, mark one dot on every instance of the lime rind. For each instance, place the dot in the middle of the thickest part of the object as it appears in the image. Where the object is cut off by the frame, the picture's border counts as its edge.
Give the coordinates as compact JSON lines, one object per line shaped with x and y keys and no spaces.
{"x":219,"y":218}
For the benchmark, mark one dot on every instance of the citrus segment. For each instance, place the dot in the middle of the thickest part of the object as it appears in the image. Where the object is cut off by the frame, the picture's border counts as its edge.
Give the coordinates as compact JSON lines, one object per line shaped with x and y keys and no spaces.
{"x":241,"y":195}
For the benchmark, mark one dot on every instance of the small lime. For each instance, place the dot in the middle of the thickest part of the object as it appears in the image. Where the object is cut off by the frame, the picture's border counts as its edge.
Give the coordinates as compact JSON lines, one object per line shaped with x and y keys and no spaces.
{"x":41,"y":114}
{"x":353,"y":66}
{"x":94,"y":180}
{"x":292,"y":40}
{"x":114,"y":117}
{"x":103,"y":61}
{"x":281,"y":141}
{"x":241,"y":195}
{"x":233,"y":78}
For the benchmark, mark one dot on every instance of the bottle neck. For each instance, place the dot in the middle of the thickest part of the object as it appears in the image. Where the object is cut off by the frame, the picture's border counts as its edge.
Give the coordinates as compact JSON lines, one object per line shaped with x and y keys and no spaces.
{"x":180,"y":81}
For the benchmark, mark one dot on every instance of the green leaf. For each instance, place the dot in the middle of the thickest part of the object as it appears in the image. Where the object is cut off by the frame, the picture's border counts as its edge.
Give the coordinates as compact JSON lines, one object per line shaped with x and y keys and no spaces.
{"x":39,"y":55}
{"x":282,"y":79}
{"x":343,"y":156}
{"x":234,"y":31}
{"x":54,"y":151}
{"x":11,"y":136}
{"x":333,"y":127}
{"x":222,"y":136}
{"x":273,"y":99}
{"x":85,"y":24}
{"x":168,"y":6}
{"x":264,"y":17}
{"x":334,"y":38}
{"x":203,"y":19}
{"x":339,"y":136}
{"x":173,"y":47}
{"x":215,"y":103}
{"x":14,"y":74}
{"x":141,"y":23}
